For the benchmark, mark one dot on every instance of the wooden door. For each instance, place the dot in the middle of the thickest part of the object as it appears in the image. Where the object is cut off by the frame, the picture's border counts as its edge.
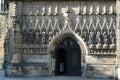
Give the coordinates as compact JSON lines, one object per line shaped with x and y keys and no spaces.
{"x":72,"y":57}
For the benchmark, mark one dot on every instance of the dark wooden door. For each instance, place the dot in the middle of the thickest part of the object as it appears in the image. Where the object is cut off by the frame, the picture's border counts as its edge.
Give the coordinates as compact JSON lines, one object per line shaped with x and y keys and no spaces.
{"x":72,"y":57}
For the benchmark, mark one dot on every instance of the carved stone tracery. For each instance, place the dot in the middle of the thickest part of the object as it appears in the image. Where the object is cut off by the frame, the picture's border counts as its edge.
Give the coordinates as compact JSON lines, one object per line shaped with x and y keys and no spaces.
{"x":92,"y":25}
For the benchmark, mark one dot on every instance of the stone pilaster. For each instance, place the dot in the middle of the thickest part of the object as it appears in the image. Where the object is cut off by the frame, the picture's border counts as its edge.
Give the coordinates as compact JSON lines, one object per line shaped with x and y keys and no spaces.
{"x":2,"y":37}
{"x":118,"y":37}
{"x":11,"y":23}
{"x":11,"y":14}
{"x":12,"y":8}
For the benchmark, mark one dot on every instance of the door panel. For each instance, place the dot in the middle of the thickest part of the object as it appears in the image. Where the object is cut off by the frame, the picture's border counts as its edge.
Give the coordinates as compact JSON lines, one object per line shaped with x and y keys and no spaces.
{"x":72,"y":57}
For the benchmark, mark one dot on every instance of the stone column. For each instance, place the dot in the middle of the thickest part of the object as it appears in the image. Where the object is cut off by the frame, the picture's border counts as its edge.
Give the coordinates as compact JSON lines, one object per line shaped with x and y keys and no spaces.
{"x":11,"y":45}
{"x":11,"y":15}
{"x":118,"y":38}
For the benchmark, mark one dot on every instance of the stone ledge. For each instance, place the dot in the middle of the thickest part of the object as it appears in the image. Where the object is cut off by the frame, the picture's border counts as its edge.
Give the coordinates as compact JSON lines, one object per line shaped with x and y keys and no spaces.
{"x":3,"y":13}
{"x":103,"y":65}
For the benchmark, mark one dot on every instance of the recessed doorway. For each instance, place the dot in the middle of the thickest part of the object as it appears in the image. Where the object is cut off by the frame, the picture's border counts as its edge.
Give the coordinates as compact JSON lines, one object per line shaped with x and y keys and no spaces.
{"x":68,"y":58}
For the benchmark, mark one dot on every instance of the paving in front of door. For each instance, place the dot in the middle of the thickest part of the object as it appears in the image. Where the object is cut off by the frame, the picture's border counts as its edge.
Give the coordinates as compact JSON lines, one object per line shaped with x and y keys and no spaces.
{"x":49,"y":78}
{"x":2,"y":77}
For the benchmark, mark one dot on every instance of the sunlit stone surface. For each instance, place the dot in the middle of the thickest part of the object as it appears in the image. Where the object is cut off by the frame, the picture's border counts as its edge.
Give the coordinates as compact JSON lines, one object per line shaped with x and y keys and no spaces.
{"x":32,"y":33}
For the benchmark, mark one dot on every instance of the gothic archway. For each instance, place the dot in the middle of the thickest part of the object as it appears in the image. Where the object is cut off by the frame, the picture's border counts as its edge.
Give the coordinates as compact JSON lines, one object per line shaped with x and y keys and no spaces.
{"x":68,"y":58}
{"x":58,"y":39}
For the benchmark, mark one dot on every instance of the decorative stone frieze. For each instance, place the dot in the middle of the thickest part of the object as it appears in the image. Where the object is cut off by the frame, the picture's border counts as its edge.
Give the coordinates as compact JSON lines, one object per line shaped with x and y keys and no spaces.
{"x":96,"y":31}
{"x":94,"y":22}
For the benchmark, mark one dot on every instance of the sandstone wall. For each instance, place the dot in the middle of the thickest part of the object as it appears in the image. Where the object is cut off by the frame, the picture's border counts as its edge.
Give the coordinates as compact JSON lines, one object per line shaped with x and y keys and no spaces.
{"x":2,"y":37}
{"x":98,"y":63}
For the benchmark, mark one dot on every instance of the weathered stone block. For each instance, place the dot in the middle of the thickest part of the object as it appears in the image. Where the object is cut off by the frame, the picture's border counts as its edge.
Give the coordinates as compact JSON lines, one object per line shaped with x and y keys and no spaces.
{"x":101,"y":71}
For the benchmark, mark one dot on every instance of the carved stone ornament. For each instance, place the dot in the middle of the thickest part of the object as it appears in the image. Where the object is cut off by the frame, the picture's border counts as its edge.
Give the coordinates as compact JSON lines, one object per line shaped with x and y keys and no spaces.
{"x":98,"y":40}
{"x":105,"y":38}
{"x":112,"y":38}
{"x":92,"y":38}
{"x":43,"y":37}
{"x":88,"y":20}
{"x":92,"y":46}
{"x":112,"y":46}
{"x":105,"y":46}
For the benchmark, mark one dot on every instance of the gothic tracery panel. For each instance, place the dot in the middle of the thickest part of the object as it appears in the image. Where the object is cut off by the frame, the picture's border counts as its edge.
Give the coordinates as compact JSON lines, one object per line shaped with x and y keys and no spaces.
{"x":95,"y":23}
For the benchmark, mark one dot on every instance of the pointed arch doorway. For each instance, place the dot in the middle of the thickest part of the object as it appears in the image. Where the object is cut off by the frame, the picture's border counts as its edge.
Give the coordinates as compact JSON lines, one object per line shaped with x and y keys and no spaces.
{"x":68,"y":58}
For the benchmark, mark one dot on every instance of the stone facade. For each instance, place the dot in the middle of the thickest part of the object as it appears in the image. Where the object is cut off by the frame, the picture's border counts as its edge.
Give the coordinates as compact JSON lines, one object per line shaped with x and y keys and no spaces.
{"x":34,"y":29}
{"x":3,"y":29}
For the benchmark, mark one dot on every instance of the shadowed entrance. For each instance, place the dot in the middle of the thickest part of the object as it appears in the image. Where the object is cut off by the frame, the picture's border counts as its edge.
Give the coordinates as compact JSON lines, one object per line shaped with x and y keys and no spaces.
{"x":68,"y":58}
